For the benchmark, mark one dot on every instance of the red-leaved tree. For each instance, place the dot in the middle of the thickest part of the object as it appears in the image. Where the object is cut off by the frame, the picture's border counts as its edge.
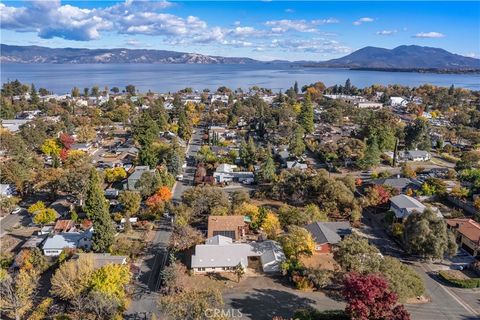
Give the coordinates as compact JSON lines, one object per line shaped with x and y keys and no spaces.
{"x":369,"y":298}
{"x":66,"y":140}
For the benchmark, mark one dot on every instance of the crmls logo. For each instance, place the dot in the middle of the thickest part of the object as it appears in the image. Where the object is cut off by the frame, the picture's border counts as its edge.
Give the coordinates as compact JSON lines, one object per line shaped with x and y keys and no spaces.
{"x":228,"y":313}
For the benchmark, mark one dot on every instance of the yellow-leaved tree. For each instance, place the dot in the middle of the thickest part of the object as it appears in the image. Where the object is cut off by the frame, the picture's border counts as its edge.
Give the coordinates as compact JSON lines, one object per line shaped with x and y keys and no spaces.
{"x":110,"y":280}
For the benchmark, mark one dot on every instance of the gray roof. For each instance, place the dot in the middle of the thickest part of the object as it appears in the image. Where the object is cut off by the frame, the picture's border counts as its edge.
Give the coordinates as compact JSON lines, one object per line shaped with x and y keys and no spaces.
{"x":405,"y":202}
{"x":398,"y":183}
{"x":139,"y":170}
{"x":329,"y":232}
{"x":63,"y":240}
{"x":417,"y":153}
{"x":220,"y":251}
{"x":101,"y":259}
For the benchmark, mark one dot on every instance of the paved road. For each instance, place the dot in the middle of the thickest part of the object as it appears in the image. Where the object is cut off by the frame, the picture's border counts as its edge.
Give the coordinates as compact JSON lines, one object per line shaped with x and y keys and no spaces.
{"x":446,"y":303}
{"x":12,"y":220}
{"x":145,"y":295}
{"x":189,"y":171}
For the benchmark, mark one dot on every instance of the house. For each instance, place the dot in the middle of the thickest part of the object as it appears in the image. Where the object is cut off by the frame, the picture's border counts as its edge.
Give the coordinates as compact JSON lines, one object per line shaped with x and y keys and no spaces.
{"x":326,"y":234}
{"x":86,"y":147}
{"x":369,"y":105}
{"x":397,"y":183}
{"x":136,"y":175}
{"x":403,"y":205}
{"x":13,"y":125}
{"x":64,"y":226}
{"x":417,"y":155}
{"x":398,"y":102}
{"x":102,"y":259}
{"x":296,"y":165}
{"x":233,"y":227}
{"x":225,"y":173}
{"x":55,"y":244}
{"x":221,"y":254}
{"x":467,"y":234}
{"x":7,"y":190}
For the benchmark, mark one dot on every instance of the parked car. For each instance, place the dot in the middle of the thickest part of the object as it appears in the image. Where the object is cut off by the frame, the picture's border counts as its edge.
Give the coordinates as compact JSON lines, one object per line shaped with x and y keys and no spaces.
{"x":179,"y":177}
{"x":16,"y":210}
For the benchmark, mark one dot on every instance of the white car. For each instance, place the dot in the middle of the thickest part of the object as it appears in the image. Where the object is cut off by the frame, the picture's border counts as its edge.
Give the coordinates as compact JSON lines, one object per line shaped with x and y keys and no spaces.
{"x":16,"y":210}
{"x":179,"y":177}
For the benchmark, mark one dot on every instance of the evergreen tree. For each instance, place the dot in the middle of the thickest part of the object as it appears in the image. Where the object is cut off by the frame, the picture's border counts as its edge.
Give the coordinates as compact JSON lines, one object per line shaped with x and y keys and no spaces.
{"x":417,"y":135}
{"x":348,"y":87}
{"x":96,"y":208}
{"x":306,"y":116}
{"x":297,"y":146}
{"x":295,"y":87}
{"x":34,"y":99}
{"x":147,"y":156}
{"x":372,"y":154}
{"x":268,"y":170}
{"x":184,"y":126}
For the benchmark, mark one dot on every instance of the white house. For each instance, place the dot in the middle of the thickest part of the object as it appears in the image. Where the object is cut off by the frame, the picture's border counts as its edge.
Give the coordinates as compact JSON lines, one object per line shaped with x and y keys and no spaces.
{"x":221,"y":254}
{"x":418,"y":155}
{"x":225,"y":173}
{"x":55,"y":244}
{"x":296,"y":165}
{"x":398,"y":102}
{"x":370,"y":105}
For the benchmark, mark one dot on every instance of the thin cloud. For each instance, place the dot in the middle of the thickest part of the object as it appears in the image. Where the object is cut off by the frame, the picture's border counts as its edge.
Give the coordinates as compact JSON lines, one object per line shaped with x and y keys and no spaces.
{"x":363,"y":20}
{"x":386,"y":32}
{"x":431,"y":35}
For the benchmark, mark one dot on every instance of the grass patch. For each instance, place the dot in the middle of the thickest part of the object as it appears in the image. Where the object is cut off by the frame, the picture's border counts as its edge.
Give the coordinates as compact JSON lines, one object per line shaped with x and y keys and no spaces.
{"x":462,"y":282}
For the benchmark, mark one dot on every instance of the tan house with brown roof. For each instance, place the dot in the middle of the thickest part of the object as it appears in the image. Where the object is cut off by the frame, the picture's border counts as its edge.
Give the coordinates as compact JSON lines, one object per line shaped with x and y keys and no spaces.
{"x":233,"y":227}
{"x":467,"y":234}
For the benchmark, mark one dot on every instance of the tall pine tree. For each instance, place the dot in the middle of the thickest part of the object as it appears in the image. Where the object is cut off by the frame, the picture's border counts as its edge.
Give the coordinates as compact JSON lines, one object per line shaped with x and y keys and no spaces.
{"x":306,"y":117}
{"x":96,"y":209}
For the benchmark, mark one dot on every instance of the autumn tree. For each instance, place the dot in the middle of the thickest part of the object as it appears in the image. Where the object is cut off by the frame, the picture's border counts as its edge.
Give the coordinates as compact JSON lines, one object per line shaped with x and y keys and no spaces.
{"x":185,"y":237}
{"x":271,"y":225}
{"x":204,"y":199}
{"x":369,"y":298}
{"x":110,"y":280}
{"x":72,"y":279}
{"x":148,"y":183}
{"x":16,"y":293}
{"x":192,"y":304}
{"x":297,"y":242}
{"x":115,"y":174}
{"x":50,"y":147}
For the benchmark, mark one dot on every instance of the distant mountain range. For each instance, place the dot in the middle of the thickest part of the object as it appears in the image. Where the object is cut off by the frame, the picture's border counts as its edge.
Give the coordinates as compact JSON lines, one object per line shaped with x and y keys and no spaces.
{"x":411,"y":58}
{"x":404,"y":57}
{"x":36,"y":54}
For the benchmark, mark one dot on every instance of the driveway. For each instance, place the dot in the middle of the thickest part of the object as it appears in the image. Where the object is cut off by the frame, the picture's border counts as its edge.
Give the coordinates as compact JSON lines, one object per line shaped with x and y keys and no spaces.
{"x":12,"y":220}
{"x":263,"y":297}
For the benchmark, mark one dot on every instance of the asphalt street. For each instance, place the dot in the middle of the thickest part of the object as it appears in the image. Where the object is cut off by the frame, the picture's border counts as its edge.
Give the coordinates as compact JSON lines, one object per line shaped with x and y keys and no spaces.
{"x":447,"y":303}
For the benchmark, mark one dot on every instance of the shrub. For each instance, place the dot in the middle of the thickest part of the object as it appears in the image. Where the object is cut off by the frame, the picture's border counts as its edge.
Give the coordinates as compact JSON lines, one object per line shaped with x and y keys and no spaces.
{"x":457,"y":282}
{"x":311,"y":314}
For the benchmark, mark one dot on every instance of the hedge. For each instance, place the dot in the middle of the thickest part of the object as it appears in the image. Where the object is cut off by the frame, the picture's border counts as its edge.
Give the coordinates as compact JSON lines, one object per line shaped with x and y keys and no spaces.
{"x":461,"y":283}
{"x":311,"y":314}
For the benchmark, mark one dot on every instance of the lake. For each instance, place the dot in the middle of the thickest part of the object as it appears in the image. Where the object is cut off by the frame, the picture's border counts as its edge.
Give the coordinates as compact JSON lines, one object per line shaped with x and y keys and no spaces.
{"x":61,"y":78}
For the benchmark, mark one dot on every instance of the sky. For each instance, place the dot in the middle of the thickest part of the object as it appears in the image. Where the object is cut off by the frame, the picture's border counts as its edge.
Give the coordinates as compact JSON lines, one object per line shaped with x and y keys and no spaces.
{"x":264,"y":30}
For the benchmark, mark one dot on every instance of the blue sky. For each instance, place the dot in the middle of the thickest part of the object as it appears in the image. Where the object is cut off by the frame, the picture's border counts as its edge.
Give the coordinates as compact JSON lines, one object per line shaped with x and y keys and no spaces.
{"x":266,"y":30}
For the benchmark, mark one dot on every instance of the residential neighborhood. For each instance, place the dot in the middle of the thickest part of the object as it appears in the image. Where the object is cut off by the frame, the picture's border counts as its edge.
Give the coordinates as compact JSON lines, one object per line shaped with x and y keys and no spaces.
{"x":123,"y":204}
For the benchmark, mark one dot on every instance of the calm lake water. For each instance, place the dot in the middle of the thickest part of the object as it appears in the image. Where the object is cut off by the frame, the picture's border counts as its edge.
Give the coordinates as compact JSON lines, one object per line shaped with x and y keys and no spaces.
{"x":61,"y":78}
